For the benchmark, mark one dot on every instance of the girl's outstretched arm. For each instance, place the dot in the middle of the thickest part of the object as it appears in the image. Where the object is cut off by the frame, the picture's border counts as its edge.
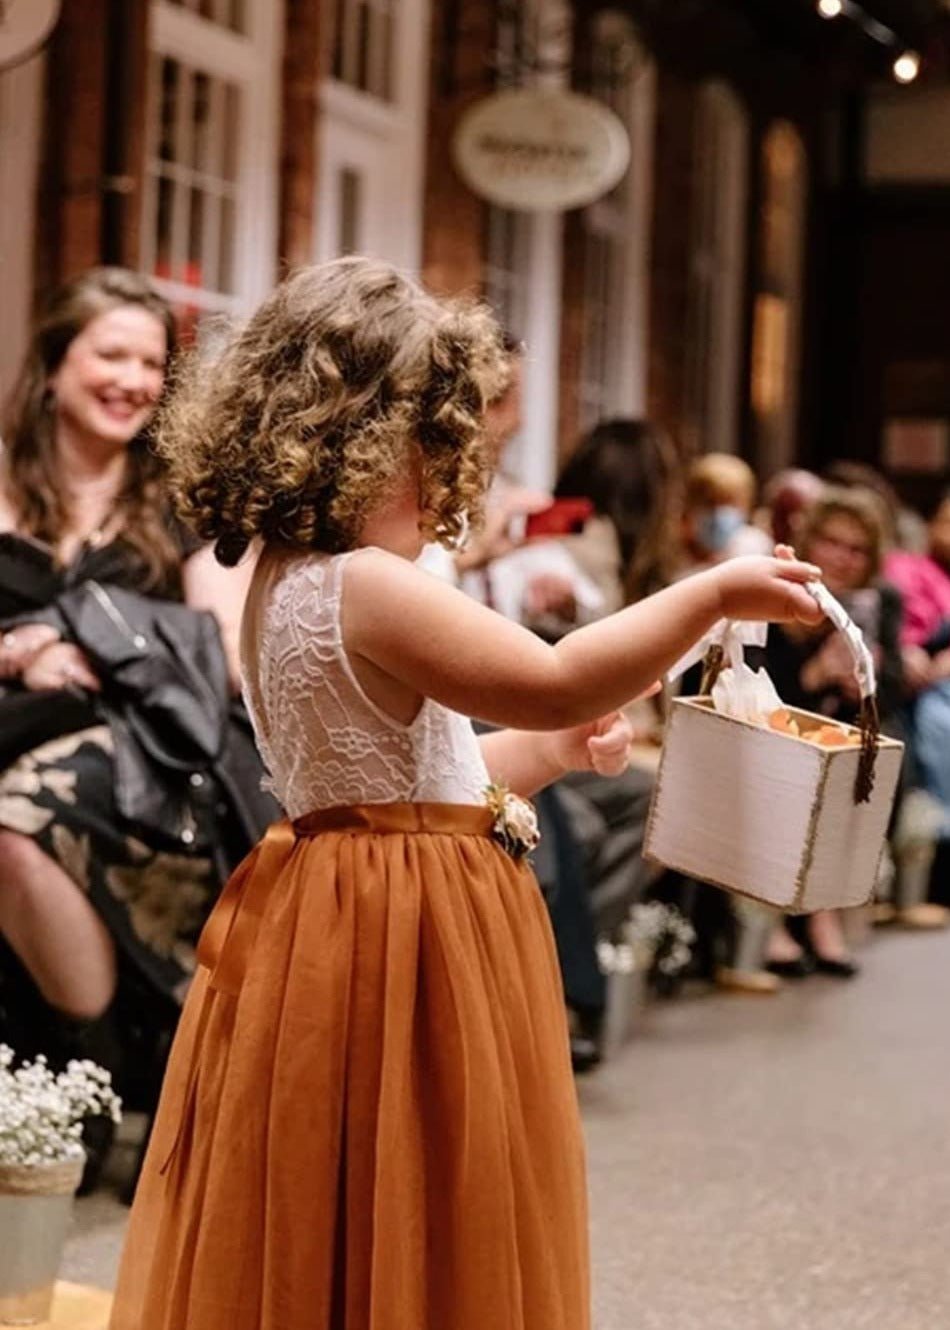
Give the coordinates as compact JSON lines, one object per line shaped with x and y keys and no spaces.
{"x":434,"y":641}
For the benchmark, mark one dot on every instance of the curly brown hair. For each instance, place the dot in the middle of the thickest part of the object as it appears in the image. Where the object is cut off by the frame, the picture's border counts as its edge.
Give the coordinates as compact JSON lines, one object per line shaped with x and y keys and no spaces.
{"x":29,"y":469}
{"x":310,"y":414}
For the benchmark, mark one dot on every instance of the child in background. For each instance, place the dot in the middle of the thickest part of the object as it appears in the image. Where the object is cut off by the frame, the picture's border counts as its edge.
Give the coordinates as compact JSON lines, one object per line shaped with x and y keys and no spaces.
{"x":369,"y":1118}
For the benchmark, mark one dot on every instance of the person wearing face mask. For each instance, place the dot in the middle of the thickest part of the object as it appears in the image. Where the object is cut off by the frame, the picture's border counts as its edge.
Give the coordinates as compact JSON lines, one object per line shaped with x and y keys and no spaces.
{"x":111,"y":850}
{"x":720,"y":493}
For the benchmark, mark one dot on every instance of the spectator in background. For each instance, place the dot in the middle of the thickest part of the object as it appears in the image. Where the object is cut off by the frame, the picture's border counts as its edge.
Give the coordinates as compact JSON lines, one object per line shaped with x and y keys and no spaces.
{"x":905,"y":529}
{"x":720,"y":497}
{"x":631,"y":472}
{"x":813,"y":669}
{"x":788,"y":498}
{"x":85,"y":893}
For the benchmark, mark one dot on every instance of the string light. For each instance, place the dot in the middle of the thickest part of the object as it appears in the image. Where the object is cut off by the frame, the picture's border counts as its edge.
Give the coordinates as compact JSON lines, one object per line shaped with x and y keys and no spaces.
{"x":906,"y":67}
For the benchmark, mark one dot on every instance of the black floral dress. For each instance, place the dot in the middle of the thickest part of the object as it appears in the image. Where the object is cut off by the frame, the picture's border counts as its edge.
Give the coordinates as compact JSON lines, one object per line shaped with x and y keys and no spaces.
{"x":152,"y":892}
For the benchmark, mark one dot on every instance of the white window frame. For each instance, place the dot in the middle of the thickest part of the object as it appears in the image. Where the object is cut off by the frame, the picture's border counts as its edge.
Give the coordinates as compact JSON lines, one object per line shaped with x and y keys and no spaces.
{"x":383,"y":141}
{"x":251,"y":60}
{"x":718,"y":271}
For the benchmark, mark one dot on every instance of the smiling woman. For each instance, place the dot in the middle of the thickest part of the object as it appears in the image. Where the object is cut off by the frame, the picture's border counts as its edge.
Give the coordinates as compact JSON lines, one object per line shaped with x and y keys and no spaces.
{"x":106,"y":869}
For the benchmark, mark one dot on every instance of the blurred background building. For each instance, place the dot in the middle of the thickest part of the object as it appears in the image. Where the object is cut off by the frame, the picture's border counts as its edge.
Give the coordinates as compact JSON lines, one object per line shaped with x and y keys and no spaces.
{"x":769,"y":276}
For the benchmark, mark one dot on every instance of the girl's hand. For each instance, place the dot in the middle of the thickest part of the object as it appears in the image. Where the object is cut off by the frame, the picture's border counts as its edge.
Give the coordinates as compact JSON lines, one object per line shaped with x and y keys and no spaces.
{"x":758,"y":587}
{"x":602,"y":745}
{"x":60,"y":665}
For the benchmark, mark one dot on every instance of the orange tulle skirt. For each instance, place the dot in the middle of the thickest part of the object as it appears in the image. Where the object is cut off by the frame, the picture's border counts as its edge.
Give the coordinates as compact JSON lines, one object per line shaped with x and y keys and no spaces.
{"x":369,"y":1120}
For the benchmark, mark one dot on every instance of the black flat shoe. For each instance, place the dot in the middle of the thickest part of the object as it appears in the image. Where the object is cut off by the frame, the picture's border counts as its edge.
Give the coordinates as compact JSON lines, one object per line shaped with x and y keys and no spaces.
{"x":800,"y":968}
{"x":836,"y":969}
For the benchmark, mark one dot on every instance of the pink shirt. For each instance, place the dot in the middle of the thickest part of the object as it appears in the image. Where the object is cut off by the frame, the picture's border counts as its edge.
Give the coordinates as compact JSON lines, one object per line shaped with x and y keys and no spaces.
{"x":925,"y":587}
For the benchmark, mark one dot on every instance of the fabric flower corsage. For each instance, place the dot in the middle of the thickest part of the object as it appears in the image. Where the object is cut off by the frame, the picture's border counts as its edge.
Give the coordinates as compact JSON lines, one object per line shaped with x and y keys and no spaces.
{"x":515,"y":827}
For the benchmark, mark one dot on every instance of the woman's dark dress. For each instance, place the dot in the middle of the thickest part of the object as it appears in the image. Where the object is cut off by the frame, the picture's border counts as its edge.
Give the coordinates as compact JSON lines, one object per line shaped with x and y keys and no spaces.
{"x":152,"y":891}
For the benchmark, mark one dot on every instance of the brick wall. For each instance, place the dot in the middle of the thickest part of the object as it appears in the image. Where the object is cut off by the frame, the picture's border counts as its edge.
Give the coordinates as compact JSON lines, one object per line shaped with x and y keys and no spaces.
{"x":308,"y":43}
{"x":572,"y":334}
{"x":453,"y":218}
{"x":73,"y":158}
{"x":673,"y":197}
{"x":90,"y":192}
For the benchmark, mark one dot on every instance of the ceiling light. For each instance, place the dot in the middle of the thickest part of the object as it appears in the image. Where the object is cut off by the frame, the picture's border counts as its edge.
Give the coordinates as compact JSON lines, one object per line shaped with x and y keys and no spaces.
{"x":907,"y":66}
{"x":830,"y":8}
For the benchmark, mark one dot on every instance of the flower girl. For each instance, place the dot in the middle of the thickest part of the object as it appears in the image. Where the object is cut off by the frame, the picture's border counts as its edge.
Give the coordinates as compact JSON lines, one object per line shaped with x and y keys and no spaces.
{"x":369,"y":1120}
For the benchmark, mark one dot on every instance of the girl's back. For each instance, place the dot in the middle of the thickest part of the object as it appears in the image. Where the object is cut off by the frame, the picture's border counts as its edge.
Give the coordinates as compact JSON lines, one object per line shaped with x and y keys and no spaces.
{"x":324,"y":740}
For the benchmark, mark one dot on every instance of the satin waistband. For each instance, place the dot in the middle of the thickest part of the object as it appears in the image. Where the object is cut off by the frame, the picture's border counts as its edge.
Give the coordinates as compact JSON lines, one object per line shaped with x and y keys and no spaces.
{"x":435,"y":819}
{"x":229,"y":934}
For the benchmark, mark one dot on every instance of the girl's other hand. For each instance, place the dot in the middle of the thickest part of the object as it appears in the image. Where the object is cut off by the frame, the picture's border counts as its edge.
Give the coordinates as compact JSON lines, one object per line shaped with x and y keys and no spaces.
{"x":603,"y":745}
{"x":758,"y":587}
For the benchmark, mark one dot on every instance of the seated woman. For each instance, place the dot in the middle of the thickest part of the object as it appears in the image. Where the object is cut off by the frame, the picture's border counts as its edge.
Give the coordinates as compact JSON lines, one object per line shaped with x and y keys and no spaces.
{"x":813,"y":669}
{"x":111,"y":833}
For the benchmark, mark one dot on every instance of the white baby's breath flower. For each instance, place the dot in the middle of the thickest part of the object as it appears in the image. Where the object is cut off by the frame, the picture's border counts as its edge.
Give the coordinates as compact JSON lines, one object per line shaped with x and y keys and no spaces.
{"x":42,"y":1112}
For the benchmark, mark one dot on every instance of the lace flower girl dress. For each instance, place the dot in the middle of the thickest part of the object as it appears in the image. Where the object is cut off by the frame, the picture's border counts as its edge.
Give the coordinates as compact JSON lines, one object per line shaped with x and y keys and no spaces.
{"x":369,"y":1120}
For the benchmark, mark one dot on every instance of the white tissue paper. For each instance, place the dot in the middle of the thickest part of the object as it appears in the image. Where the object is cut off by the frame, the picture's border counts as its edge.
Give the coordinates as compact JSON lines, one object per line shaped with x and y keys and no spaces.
{"x":745,"y":694}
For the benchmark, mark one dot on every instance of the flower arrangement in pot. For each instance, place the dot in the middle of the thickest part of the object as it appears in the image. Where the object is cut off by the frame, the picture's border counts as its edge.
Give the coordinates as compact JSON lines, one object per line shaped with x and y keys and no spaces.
{"x":42,"y":1113}
{"x":651,"y":949}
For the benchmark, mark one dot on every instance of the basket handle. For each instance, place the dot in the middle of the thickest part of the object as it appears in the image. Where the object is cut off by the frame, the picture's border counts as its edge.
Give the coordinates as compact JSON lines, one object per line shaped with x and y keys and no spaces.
{"x":864,"y":672}
{"x":869,"y":721}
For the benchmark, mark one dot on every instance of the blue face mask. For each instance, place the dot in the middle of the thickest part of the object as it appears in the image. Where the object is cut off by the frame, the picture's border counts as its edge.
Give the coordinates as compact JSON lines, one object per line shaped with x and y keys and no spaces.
{"x":717,"y":526}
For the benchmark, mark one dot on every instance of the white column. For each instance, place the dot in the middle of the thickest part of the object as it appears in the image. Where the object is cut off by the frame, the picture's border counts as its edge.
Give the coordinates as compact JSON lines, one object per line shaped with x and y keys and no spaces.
{"x":630,"y":392}
{"x":536,"y":459}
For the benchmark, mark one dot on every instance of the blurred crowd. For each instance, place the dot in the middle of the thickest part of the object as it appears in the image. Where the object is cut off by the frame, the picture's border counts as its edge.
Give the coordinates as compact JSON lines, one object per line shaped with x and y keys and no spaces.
{"x":129,"y":786}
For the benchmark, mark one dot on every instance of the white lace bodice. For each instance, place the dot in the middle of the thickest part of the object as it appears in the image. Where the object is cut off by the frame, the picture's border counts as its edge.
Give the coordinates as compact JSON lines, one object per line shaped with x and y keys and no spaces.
{"x":324,"y":742}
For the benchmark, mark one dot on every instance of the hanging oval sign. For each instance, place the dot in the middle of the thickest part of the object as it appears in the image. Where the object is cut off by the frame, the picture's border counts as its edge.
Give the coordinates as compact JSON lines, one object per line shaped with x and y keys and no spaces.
{"x":24,"y":27}
{"x":541,"y":149}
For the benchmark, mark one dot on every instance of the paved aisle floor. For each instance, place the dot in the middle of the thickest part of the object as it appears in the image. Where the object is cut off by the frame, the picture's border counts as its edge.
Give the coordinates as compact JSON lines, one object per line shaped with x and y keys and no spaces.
{"x":781,"y":1163}
{"x":760,"y":1163}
